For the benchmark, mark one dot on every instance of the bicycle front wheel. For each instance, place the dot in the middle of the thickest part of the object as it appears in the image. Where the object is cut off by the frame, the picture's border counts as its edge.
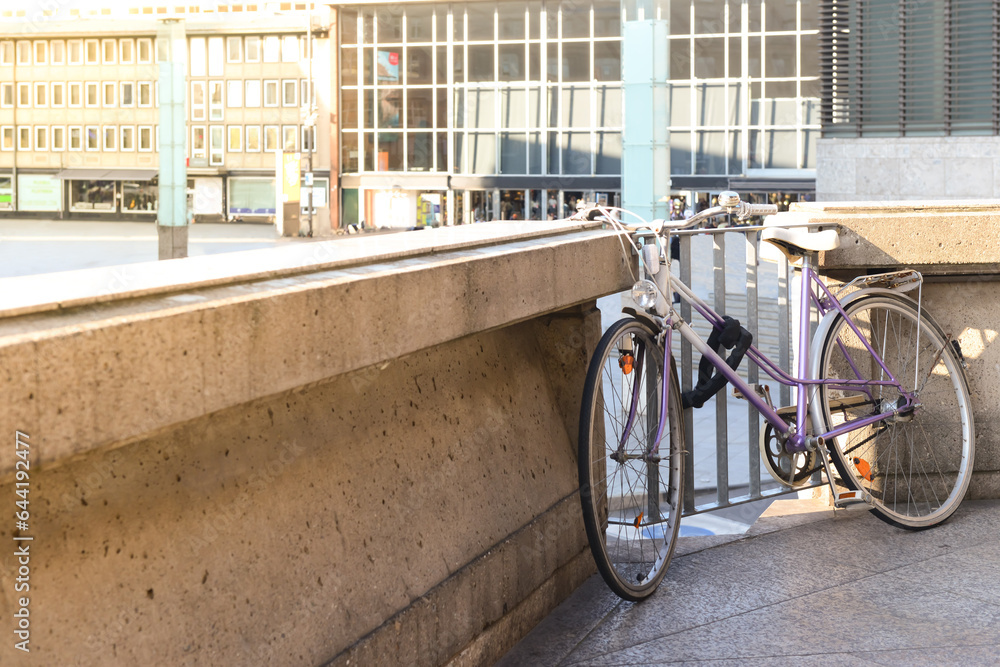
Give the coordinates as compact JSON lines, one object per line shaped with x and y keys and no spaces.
{"x":630,"y":480}
{"x":917,"y":463}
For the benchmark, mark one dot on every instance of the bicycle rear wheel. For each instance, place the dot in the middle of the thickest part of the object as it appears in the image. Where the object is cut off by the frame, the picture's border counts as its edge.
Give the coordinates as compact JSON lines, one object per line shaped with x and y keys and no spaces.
{"x":916,"y":464}
{"x":630,"y":484}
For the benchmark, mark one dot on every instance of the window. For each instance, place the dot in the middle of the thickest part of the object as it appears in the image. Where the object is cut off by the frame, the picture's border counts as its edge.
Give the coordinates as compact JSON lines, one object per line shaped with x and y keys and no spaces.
{"x":288,"y":92}
{"x":41,"y":138}
{"x":145,"y":93}
{"x":290,"y":49}
{"x":272,"y":49}
{"x":24,"y":94}
{"x":6,"y":53}
{"x":145,"y":138}
{"x":41,"y":53}
{"x":74,"y":48}
{"x":110,"y":138}
{"x":57,"y":53}
{"x":127,"y":98}
{"x":110,"y":51}
{"x":290,"y":138}
{"x":75,"y":138}
{"x":198,"y":56}
{"x":197,"y":100}
{"x":24,"y":138}
{"x":93,"y":137}
{"x":58,"y":94}
{"x":253,"y":138}
{"x":215,"y":101}
{"x":58,"y":138}
{"x":24,"y":53}
{"x":234,"y":94}
{"x":253,"y":94}
{"x":271,"y":138}
{"x":92,"y":98}
{"x":145,"y":48}
{"x":308,"y":139}
{"x":271,"y":93}
{"x":198,"y":142}
{"x":109,"y":93}
{"x":128,"y":138}
{"x":75,"y":94}
{"x":216,"y":134}
{"x":305,"y":94}
{"x":162,"y":50}
{"x":126,"y":52}
{"x":6,"y":95}
{"x":234,"y":49}
{"x":235,"y":138}
{"x":7,"y":138}
{"x":92,"y":49}
{"x":41,"y":94}
{"x":253,"y":49}
{"x":216,"y":56}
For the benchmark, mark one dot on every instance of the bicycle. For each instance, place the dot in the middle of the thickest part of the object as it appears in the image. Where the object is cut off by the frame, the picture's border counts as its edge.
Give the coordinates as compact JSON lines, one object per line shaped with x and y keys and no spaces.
{"x":882,"y":402}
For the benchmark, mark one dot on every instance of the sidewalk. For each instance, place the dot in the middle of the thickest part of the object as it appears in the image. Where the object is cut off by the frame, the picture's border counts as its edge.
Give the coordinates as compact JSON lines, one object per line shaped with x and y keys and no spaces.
{"x":804,"y":586}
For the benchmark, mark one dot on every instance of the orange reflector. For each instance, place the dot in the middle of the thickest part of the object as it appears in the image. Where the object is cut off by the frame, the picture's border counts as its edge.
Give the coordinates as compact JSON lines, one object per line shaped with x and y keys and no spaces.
{"x":864,"y":469}
{"x":638,"y":519}
{"x":626,"y":361}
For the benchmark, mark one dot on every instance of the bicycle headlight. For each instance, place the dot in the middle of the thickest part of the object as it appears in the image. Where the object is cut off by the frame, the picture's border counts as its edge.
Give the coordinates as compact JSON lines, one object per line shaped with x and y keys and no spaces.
{"x":644,"y":294}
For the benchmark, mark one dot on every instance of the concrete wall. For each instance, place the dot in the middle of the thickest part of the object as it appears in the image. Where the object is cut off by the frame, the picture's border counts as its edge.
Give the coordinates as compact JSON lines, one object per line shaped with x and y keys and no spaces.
{"x":957,"y":248}
{"x":907,"y":168}
{"x":342,"y":462}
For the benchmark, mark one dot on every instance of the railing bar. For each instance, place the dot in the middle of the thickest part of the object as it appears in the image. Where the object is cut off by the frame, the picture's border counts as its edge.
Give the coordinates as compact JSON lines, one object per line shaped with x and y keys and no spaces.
{"x":721,"y":412}
{"x":784,"y":325}
{"x":687,"y":376}
{"x":753,"y":417}
{"x":742,"y":500}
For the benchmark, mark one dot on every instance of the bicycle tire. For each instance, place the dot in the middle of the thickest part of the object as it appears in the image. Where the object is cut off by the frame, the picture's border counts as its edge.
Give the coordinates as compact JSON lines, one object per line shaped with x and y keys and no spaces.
{"x":917,"y":464}
{"x":632,"y":533}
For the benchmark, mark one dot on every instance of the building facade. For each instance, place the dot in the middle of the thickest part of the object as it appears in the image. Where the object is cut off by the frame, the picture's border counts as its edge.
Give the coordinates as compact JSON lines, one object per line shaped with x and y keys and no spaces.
{"x":911,"y":100}
{"x":78,"y":110}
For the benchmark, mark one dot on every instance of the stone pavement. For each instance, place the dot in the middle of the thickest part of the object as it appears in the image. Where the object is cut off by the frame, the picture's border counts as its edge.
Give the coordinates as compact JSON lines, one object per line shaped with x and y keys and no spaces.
{"x":805,"y":586}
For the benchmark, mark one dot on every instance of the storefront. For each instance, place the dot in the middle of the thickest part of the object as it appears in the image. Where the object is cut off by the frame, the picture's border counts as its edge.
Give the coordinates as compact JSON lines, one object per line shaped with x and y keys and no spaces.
{"x":251,"y":197}
{"x":6,"y":193}
{"x":117,"y":193}
{"x":39,"y":192}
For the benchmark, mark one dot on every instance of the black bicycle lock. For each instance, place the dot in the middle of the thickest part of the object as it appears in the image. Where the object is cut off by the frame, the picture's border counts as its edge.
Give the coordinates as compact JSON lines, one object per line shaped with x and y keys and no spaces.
{"x":730,"y":336}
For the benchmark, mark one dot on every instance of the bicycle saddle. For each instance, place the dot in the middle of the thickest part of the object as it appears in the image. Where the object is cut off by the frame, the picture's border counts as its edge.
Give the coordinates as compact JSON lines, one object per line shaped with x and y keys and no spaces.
{"x":797,"y":241}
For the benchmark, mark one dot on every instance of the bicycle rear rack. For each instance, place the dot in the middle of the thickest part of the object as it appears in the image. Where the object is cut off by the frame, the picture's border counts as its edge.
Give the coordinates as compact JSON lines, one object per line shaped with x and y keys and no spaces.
{"x":900,"y":281}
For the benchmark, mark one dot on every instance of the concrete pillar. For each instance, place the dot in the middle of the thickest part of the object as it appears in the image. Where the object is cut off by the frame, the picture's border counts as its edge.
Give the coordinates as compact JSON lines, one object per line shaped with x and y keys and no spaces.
{"x":172,"y":213}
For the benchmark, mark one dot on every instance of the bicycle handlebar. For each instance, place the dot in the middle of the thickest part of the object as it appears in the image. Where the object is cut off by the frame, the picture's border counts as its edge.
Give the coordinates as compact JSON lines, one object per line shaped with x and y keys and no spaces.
{"x":731,"y":205}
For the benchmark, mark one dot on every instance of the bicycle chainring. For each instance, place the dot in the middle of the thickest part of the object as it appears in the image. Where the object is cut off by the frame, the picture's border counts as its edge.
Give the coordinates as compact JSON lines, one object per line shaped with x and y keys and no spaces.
{"x":790,"y":469}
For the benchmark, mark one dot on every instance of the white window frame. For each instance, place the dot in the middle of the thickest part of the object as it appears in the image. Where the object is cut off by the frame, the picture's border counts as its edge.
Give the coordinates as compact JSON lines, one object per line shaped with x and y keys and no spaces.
{"x":40,"y":130}
{"x":81,"y":52}
{"x":121,"y":94}
{"x":123,"y":131}
{"x":259,"y":97}
{"x":198,"y":111}
{"x":290,"y":49}
{"x":216,"y":153}
{"x":277,"y":135}
{"x":148,"y":43}
{"x":109,"y":131}
{"x":138,"y":98}
{"x":216,"y":57}
{"x":246,"y":139}
{"x":199,"y":153}
{"x":277,"y":93}
{"x":52,"y":52}
{"x":138,"y":138}
{"x":106,"y":87}
{"x":57,"y":130}
{"x":87,"y":43}
{"x":22,"y":132}
{"x":293,"y":131}
{"x":161,"y":46}
{"x":80,"y":135}
{"x":86,"y":138}
{"x":239,"y":50}
{"x":42,"y":103}
{"x":197,"y":56}
{"x":7,"y":130}
{"x":24,"y":52}
{"x":238,"y":129}
{"x":292,"y":84}
{"x":61,"y":87}
{"x":5,"y":86}
{"x":234,"y":93}
{"x":8,"y":54}
{"x":252,"y":39}
{"x":105,"y":50}
{"x":87,"y":86}
{"x":308,"y":129}
{"x":70,"y":85}
{"x":216,"y":112}
{"x":122,"y":43}
{"x":304,"y":94}
{"x":271,"y":49}
{"x":24,"y":100}
{"x":44,"y":45}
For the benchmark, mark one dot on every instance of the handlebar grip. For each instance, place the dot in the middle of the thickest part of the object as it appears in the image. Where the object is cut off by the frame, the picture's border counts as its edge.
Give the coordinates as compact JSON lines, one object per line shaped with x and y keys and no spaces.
{"x":758,"y":209}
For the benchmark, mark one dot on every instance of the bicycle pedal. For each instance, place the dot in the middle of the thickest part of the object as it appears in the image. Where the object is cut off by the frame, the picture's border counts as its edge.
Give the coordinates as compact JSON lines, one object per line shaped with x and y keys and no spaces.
{"x":848,"y":498}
